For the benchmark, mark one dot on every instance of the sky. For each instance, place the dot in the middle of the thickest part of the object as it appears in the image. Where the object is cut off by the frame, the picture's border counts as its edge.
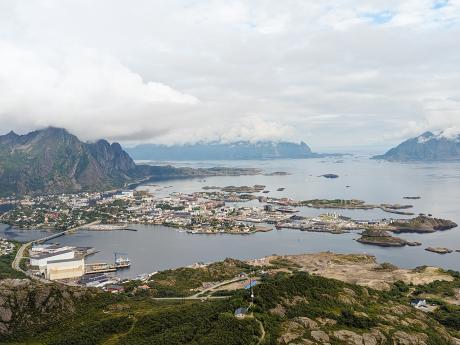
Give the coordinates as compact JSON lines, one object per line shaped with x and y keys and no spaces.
{"x":341,"y":73}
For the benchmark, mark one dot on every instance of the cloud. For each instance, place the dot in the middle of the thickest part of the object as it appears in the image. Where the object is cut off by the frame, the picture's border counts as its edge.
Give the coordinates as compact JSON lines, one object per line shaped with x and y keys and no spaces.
{"x":332,"y":73}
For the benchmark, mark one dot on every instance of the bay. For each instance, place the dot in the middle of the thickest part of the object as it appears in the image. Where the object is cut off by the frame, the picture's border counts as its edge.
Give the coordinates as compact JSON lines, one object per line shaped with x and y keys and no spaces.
{"x":154,"y":248}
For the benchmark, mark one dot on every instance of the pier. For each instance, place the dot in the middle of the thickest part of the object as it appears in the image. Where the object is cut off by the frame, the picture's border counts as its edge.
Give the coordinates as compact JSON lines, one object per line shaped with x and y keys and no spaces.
{"x":102,"y":267}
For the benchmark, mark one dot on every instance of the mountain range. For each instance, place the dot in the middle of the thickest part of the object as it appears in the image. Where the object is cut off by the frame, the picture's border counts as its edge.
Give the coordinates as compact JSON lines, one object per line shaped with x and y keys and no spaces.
{"x":52,"y":160}
{"x":426,"y":147}
{"x":223,"y":151}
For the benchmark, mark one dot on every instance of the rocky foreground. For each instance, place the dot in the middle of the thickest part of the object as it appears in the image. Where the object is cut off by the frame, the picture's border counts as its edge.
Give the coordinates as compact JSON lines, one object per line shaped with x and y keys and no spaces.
{"x":311,"y":299}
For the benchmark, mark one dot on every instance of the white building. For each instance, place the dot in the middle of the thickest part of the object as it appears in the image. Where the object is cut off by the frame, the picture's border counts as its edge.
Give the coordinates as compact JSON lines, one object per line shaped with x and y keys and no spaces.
{"x":42,"y":260}
{"x":125,"y":194}
{"x":65,"y":269}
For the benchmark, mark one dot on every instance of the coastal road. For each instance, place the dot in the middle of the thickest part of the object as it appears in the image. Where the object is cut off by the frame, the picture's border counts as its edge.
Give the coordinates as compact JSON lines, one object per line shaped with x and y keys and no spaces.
{"x":20,"y":253}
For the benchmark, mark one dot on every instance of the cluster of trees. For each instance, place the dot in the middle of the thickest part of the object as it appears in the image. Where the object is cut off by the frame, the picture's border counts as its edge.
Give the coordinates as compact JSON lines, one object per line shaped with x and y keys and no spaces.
{"x":210,"y":323}
{"x":179,"y":282}
{"x":94,"y":331}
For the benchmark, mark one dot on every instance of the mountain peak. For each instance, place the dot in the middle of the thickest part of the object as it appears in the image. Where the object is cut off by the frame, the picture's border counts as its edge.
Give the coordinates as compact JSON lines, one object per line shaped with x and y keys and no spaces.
{"x":426,"y":147}
{"x":53,"y":160}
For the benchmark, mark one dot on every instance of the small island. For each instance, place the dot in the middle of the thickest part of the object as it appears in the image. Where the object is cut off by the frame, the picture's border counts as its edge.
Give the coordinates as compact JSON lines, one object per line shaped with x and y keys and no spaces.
{"x":330,"y":176}
{"x":439,"y":250}
{"x":384,"y":239}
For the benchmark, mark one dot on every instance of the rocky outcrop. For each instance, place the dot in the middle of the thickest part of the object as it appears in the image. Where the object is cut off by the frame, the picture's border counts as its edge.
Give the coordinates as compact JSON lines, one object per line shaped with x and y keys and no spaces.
{"x":439,"y":250}
{"x":381,"y":239}
{"x":26,"y":305}
{"x":421,"y":224}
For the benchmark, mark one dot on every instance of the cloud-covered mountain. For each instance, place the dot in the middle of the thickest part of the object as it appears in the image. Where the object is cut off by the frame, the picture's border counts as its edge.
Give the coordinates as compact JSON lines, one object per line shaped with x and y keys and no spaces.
{"x":223,"y":151}
{"x":426,"y":147}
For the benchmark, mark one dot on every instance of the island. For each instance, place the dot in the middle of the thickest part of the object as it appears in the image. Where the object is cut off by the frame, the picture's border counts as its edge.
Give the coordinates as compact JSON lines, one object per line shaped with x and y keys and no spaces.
{"x":439,"y":250}
{"x":330,"y":176}
{"x":383,"y":239}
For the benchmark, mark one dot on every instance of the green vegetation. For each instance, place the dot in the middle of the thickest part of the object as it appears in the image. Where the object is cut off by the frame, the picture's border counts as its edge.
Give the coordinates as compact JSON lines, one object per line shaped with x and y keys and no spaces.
{"x":286,"y":306}
{"x":6,"y":271}
{"x":198,"y":323}
{"x":184,"y":281}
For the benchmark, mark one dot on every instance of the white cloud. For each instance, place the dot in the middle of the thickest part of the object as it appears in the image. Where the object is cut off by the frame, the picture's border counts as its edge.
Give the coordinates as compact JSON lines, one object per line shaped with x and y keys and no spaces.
{"x":345,"y":73}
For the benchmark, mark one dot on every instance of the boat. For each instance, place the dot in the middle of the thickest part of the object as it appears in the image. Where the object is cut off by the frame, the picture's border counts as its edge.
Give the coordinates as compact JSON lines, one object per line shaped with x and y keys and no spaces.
{"x":286,"y":210}
{"x":122,"y":262}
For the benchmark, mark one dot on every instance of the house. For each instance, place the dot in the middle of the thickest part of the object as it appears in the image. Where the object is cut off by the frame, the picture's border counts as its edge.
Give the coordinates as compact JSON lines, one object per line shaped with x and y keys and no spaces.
{"x":419,"y":303}
{"x":65,"y":269}
{"x":240,"y":313}
{"x":114,"y":288}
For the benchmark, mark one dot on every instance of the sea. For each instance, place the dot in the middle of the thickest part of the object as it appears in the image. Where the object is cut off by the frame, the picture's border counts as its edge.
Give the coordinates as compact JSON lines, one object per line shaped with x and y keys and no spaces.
{"x":154,"y":247}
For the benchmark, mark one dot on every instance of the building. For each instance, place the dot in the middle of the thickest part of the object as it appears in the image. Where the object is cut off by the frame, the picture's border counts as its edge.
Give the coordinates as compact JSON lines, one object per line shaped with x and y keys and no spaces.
{"x":124,"y":194}
{"x":114,"y":288}
{"x":65,"y":269}
{"x":42,"y":260}
{"x":240,"y":313}
{"x":419,"y":303}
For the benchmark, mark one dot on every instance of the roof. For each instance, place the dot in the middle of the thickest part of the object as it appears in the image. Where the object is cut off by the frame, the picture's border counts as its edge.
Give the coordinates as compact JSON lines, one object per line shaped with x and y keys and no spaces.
{"x":241,"y":310}
{"x":251,"y":284}
{"x":77,"y":258}
{"x":50,"y":255}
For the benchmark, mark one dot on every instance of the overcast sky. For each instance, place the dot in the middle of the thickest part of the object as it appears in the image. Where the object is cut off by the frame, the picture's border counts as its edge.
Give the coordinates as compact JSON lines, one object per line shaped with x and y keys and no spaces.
{"x":332,"y":73}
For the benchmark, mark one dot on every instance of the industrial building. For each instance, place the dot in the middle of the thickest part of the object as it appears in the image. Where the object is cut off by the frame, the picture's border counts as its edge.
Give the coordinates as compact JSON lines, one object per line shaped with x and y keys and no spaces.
{"x":65,"y":269}
{"x":42,"y":260}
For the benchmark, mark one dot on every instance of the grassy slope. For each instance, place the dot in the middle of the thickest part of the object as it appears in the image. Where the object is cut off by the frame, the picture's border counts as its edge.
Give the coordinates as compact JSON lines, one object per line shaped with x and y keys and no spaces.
{"x":125,"y":320}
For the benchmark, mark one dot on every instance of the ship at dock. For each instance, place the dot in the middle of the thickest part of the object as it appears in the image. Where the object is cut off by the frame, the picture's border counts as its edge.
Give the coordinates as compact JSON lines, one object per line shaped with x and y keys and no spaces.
{"x":121,"y":261}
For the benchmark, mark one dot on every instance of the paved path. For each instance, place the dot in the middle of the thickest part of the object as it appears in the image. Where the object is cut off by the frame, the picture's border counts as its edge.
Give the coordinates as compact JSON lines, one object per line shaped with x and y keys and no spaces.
{"x":189,"y":298}
{"x":20,"y":253}
{"x":198,"y":296}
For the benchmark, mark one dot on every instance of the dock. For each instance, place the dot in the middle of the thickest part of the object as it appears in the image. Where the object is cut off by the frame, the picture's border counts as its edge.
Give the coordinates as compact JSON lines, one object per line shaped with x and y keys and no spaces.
{"x":102,"y":267}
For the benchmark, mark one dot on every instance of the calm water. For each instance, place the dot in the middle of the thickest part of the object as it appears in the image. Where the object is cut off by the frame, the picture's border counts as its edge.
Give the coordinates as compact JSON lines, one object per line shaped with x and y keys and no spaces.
{"x":155,"y":248}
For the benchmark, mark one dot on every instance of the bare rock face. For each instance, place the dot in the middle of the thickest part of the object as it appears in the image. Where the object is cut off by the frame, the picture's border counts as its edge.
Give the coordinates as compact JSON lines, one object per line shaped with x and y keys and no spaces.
{"x":349,"y":337}
{"x":307,"y":323}
{"x":291,"y":331}
{"x":25,"y":304}
{"x":5,"y":314}
{"x":403,"y":338}
{"x":375,"y":337}
{"x":320,"y":336}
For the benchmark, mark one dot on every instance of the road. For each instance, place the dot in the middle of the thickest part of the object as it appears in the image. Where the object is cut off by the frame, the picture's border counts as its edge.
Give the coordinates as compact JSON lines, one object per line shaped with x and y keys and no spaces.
{"x":20,"y":253}
{"x":198,"y":296}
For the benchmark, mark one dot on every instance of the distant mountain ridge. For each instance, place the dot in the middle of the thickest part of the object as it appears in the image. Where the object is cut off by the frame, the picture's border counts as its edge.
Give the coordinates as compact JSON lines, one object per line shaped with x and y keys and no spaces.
{"x":222,"y":151}
{"x":426,"y":147}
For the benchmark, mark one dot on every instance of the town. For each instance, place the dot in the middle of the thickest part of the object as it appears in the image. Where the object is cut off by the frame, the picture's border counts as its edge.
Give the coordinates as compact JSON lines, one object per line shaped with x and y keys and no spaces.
{"x":208,"y":211}
{"x":213,"y":210}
